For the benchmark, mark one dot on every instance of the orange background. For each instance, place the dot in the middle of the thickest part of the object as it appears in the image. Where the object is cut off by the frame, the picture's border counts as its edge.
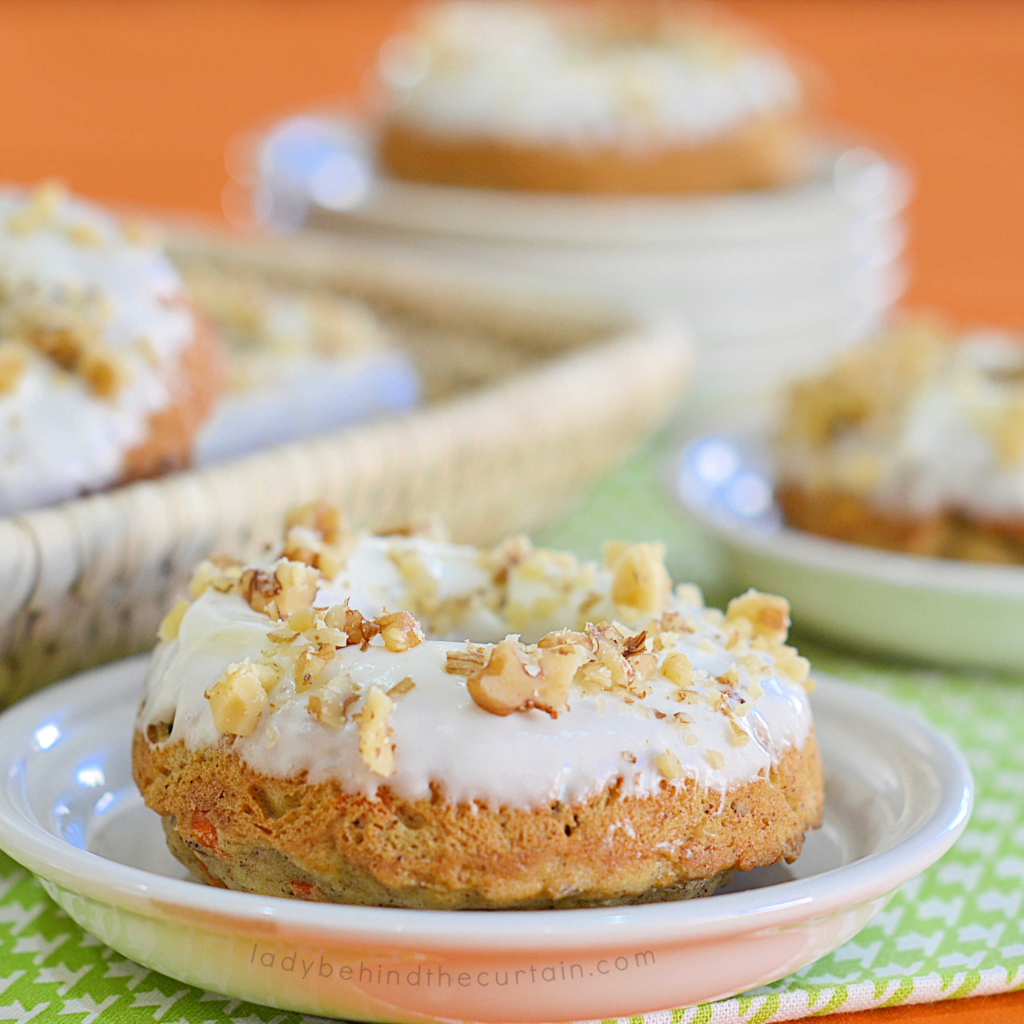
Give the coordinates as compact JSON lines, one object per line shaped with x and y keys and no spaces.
{"x":134,"y":101}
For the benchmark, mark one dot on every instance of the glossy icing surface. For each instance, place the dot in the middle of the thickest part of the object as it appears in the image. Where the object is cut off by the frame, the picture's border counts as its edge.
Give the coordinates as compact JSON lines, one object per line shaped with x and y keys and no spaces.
{"x":721,"y":733}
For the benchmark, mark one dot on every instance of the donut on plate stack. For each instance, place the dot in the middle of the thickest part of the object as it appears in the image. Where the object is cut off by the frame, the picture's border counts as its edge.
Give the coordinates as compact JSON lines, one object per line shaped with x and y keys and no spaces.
{"x":622,"y":99}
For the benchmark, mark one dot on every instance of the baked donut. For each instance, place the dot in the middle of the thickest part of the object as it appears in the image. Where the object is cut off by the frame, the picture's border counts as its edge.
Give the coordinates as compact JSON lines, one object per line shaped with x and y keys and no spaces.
{"x":299,"y":739}
{"x":914,"y":442}
{"x":628,"y":99}
{"x":105,"y":370}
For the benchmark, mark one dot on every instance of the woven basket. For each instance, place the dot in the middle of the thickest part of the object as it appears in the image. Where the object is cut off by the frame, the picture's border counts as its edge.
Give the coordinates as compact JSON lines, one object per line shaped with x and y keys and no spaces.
{"x":533,"y":396}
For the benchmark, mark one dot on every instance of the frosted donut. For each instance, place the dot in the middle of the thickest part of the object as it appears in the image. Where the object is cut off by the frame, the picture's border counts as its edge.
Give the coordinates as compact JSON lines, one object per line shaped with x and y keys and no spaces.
{"x":552,"y":97}
{"x":105,"y":371}
{"x":298,"y":739}
{"x":913,"y":441}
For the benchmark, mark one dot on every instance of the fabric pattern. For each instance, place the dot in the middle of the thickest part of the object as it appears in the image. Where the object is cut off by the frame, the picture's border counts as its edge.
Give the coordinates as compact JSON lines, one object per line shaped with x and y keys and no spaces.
{"x":957,"y":930}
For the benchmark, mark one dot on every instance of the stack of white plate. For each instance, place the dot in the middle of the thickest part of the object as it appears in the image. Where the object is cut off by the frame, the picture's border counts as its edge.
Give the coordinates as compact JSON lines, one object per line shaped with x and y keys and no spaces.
{"x":770,"y":282}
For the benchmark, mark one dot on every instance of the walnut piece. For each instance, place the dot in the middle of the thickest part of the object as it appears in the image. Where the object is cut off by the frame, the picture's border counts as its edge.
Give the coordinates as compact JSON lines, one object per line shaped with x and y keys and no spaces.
{"x":767,"y":615}
{"x":104,"y":372}
{"x":222,"y":576}
{"x":239,"y":696}
{"x":357,"y":628}
{"x":171,"y":623}
{"x":668,"y":764}
{"x":677,"y":669}
{"x":318,"y":515}
{"x":330,"y":707}
{"x":399,"y":631}
{"x":464,"y":663}
{"x":290,"y":587}
{"x":375,"y":747}
{"x":402,"y":687}
{"x":640,"y":581}
{"x":310,"y":664}
{"x":13,"y":362}
{"x":506,"y":683}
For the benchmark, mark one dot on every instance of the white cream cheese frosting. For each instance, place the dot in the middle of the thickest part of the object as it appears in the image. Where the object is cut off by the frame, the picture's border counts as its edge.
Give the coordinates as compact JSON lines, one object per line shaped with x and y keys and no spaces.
{"x":939,"y":428}
{"x":720,"y":698}
{"x":543,"y":74}
{"x":92,"y":326}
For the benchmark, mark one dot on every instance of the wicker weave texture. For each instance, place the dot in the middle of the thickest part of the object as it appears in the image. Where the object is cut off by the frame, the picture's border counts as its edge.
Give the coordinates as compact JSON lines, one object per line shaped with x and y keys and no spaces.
{"x":88,"y":581}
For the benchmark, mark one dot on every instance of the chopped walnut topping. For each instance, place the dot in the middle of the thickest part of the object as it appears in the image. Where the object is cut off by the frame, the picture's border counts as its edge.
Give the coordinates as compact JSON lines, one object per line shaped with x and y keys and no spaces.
{"x":399,"y":631}
{"x":677,"y":669}
{"x":291,"y":586}
{"x":668,"y":764}
{"x":13,"y":362}
{"x":464,"y":663}
{"x":506,"y":683}
{"x":222,"y":577}
{"x":39,"y":211}
{"x":690,"y":593}
{"x":738,"y":736}
{"x":358,"y":629}
{"x":105,"y":372}
{"x":730,"y":678}
{"x":282,"y":635}
{"x":691,"y":739}
{"x":375,"y":733}
{"x":171,"y":623}
{"x":791,"y":664}
{"x":320,"y":516}
{"x":310,"y":664}
{"x":629,"y":756}
{"x":508,"y":553}
{"x":683,"y":718}
{"x":327,"y":637}
{"x":755,"y":690}
{"x":330,"y":707}
{"x":675,"y":622}
{"x":430,"y":527}
{"x":767,"y":615}
{"x":563,"y":637}
{"x":303,"y":544}
{"x":303,"y":619}
{"x":84,"y":235}
{"x":402,"y":687}
{"x":715,"y":758}
{"x":640,"y":581}
{"x":1009,"y":434}
{"x":239,"y":696}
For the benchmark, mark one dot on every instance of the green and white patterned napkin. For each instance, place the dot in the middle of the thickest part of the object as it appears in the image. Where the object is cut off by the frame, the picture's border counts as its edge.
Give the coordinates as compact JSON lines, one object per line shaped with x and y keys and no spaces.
{"x":957,"y":930}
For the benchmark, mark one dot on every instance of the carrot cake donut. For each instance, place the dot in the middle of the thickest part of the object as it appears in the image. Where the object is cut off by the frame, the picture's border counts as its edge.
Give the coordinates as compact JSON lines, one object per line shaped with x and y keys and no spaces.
{"x":628,"y":99}
{"x":105,"y":371}
{"x":912,"y":442}
{"x":624,"y":744}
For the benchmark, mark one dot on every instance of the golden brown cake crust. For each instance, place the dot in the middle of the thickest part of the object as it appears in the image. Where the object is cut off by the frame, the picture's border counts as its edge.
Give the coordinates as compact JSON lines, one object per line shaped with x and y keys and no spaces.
{"x":765,"y":153}
{"x":237,"y":828}
{"x":841,"y":515}
{"x":172,"y":430}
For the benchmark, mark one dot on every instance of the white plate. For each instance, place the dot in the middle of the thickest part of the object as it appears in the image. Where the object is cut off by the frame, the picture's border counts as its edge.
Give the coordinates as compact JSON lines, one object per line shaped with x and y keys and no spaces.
{"x":325,"y":160}
{"x":898,"y":795}
{"x":937,"y":610}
